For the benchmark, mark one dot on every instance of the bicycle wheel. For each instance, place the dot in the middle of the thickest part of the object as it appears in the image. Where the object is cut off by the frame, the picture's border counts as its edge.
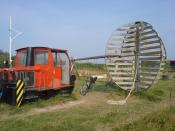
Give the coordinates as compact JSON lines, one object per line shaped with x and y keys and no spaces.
{"x":83,"y":90}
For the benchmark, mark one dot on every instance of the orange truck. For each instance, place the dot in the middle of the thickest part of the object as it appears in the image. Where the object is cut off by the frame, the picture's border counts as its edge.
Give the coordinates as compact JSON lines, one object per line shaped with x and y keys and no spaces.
{"x":37,"y":71}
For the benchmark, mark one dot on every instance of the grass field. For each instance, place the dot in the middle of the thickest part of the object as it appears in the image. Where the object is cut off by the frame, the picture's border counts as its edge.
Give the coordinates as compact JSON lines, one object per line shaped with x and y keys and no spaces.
{"x":152,"y":110}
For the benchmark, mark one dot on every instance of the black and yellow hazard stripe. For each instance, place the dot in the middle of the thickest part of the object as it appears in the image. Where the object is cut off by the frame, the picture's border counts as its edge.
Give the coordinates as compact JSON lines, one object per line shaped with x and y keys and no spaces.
{"x":19,"y":92}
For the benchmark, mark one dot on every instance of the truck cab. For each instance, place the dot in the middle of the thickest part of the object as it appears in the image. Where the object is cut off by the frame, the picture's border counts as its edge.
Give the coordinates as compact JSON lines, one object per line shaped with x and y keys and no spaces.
{"x":50,"y":68}
{"x":41,"y":69}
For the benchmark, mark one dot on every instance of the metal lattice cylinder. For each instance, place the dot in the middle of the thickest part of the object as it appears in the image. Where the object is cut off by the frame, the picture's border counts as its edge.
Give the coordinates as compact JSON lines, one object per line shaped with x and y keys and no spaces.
{"x":142,"y":54}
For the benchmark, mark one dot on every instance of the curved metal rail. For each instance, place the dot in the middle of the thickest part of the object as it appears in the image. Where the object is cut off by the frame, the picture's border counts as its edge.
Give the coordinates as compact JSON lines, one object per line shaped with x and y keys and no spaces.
{"x":142,"y":53}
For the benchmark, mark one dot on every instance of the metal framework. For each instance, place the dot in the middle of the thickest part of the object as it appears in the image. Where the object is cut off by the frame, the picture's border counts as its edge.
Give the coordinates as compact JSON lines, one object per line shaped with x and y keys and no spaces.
{"x":96,"y":57}
{"x":142,"y":54}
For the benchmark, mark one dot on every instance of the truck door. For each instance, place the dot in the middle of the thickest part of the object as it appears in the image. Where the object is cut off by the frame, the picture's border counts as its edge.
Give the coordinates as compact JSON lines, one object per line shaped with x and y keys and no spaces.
{"x":56,"y":70}
{"x":65,"y":67}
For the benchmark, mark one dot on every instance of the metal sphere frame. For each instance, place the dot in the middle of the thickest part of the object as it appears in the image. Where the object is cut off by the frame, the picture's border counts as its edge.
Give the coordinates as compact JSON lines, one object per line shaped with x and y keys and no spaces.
{"x":142,"y":55}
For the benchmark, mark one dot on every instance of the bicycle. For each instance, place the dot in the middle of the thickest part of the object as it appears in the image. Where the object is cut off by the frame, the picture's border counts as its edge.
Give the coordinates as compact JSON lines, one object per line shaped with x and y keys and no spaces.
{"x":89,"y":83}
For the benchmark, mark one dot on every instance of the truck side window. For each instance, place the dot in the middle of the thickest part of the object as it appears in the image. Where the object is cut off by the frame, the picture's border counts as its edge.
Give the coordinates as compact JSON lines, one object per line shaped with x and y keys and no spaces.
{"x":41,"y":57}
{"x":64,"y":58}
{"x":22,"y":58}
{"x":56,"y":58}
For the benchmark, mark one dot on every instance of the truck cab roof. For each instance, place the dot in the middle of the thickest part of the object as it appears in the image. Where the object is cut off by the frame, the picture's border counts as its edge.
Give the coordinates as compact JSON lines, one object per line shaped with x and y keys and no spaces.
{"x":38,"y":47}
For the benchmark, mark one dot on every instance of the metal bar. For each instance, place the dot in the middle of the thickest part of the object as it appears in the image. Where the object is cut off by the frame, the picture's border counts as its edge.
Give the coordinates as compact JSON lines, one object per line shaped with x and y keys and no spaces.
{"x":146,"y":82}
{"x":150,"y":42}
{"x":121,"y":73}
{"x":150,"y":58}
{"x":124,"y":63}
{"x":150,"y":47}
{"x":126,"y":29}
{"x":124,"y":68}
{"x":130,"y":42}
{"x":147,"y":27}
{"x":10,"y":42}
{"x":150,"y":53}
{"x":124,"y":83}
{"x":149,"y":37}
{"x":137,"y":47}
{"x":151,"y":69}
{"x":128,"y":51}
{"x":122,"y":78}
{"x":128,"y":46}
{"x":123,"y":60}
{"x":96,"y":57}
{"x":148,"y":32}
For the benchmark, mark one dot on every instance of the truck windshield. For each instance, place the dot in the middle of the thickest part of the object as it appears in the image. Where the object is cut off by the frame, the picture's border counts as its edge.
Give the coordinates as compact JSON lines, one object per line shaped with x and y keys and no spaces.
{"x":41,"y":57}
{"x":22,"y":58}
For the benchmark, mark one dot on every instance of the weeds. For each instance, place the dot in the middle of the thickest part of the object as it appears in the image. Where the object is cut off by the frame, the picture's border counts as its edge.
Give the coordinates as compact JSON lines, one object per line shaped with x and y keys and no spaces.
{"x":156,"y":121}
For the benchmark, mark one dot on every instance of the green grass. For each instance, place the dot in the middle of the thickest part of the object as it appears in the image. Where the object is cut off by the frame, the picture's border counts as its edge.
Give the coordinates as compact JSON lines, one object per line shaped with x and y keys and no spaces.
{"x":163,"y":120}
{"x":149,"y":110}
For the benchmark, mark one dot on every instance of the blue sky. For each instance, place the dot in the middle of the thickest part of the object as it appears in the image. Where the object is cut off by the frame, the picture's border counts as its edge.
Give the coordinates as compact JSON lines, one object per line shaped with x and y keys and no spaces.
{"x":82,"y":26}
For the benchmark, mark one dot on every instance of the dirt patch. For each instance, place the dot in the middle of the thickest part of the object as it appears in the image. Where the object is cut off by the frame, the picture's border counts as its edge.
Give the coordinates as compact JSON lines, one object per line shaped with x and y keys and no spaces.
{"x":35,"y":111}
{"x":91,"y":98}
{"x":56,"y":107}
